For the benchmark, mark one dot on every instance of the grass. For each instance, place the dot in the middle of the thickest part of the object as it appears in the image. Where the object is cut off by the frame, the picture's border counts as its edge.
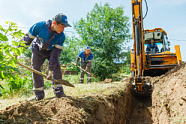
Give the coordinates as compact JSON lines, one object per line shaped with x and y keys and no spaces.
{"x":74,"y":79}
{"x":78,"y":91}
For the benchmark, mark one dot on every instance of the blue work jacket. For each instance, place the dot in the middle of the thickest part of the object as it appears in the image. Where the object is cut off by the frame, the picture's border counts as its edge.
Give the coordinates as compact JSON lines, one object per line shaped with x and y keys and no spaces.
{"x":41,"y":33}
{"x":87,"y":60}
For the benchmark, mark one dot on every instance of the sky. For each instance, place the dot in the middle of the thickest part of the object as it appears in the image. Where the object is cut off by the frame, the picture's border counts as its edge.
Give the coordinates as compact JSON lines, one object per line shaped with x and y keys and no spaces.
{"x":167,"y":14}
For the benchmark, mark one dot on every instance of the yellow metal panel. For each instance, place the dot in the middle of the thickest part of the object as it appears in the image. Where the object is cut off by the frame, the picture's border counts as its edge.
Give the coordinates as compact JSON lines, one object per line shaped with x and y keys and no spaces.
{"x":178,"y":54}
{"x":136,"y":11}
{"x":153,"y":30}
{"x":169,"y":60}
{"x":140,"y":88}
{"x":133,"y":1}
{"x":132,"y":60}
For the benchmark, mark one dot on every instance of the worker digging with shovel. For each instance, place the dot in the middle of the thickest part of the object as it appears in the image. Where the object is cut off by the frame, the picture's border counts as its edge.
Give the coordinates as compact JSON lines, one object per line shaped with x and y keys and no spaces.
{"x":86,"y":62}
{"x":47,"y":38}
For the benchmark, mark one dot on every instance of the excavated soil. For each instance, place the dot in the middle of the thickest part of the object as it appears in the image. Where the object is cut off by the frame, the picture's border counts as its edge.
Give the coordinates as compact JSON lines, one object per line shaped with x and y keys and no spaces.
{"x":169,"y":97}
{"x":97,"y":108}
{"x":167,"y":105}
{"x":106,"y":81}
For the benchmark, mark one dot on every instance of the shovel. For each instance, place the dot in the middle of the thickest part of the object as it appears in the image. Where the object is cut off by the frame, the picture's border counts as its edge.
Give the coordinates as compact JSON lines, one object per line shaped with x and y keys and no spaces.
{"x":84,"y":70}
{"x":61,"y":81}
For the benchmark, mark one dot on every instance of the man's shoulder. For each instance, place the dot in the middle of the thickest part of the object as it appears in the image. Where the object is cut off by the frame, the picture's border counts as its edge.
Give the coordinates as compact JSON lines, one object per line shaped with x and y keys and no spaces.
{"x":41,"y":23}
{"x":82,"y":52}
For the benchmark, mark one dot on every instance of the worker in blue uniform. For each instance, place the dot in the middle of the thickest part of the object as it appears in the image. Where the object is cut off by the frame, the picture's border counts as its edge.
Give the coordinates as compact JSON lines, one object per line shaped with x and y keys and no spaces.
{"x":47,"y":38}
{"x":86,"y":63}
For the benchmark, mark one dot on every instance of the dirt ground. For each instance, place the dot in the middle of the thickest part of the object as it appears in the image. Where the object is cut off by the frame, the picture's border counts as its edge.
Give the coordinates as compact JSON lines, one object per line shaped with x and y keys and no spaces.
{"x":167,"y":105}
{"x":96,"y":108}
{"x":169,"y":97}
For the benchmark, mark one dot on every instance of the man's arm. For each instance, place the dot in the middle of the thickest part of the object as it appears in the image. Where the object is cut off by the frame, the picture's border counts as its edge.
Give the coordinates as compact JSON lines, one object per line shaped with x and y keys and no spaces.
{"x":157,"y":50}
{"x":56,"y":51}
{"x":27,"y":39}
{"x":32,"y":33}
{"x":54,"y":58}
{"x":148,"y":48}
{"x":78,"y":58}
{"x":89,"y":61}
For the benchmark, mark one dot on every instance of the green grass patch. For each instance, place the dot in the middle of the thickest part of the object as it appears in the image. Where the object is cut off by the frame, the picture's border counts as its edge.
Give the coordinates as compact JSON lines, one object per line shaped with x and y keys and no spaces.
{"x":74,"y":79}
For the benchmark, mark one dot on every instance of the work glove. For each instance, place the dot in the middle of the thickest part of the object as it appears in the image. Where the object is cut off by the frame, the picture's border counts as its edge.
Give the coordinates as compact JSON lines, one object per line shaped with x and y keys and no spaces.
{"x":50,"y":74}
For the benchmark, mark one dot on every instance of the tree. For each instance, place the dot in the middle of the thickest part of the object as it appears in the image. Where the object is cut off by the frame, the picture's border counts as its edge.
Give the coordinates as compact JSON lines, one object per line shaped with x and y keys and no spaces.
{"x":106,"y":31}
{"x":70,"y":50}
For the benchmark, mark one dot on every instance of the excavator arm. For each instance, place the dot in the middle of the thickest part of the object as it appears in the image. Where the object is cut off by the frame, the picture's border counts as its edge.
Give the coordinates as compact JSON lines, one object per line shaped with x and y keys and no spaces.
{"x":139,"y":84}
{"x":137,"y":21}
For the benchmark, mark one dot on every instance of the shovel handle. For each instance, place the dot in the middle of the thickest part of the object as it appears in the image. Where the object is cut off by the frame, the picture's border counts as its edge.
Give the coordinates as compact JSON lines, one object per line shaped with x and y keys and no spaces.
{"x":84,"y":70}
{"x":35,"y":71}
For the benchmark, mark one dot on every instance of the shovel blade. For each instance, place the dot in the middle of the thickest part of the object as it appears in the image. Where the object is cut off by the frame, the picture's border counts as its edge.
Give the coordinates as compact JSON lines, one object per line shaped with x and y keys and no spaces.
{"x":64,"y":82}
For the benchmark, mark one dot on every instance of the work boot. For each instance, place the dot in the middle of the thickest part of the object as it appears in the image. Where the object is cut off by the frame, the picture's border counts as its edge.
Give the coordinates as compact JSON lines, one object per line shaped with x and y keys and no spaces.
{"x":39,"y":95}
{"x":36,"y":98}
{"x":60,"y":95}
{"x":58,"y":91}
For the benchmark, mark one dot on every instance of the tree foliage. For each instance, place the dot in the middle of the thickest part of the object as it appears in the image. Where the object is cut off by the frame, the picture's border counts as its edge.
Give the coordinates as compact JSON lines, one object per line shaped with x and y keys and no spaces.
{"x":106,"y":31}
{"x":9,"y":40}
{"x":71,"y":49}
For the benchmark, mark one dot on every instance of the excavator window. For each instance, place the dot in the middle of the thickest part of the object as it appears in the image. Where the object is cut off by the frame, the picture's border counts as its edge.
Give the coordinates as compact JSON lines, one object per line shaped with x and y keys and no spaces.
{"x":160,"y":41}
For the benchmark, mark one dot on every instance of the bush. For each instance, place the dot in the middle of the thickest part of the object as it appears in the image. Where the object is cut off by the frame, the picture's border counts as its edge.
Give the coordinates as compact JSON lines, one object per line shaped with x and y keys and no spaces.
{"x":9,"y":48}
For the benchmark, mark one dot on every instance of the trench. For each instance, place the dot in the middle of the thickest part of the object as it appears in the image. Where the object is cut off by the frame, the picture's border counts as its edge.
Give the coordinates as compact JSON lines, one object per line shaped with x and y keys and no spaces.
{"x":123,"y":109}
{"x":141,"y":111}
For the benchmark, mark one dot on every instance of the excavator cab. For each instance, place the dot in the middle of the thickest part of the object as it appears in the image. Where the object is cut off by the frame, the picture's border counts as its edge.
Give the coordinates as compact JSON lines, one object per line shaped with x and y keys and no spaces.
{"x":162,"y":59}
{"x":160,"y":39}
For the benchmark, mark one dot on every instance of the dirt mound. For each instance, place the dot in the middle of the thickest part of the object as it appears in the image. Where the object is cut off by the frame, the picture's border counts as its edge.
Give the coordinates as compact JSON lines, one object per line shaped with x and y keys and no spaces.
{"x":97,"y":108}
{"x":169,"y":97}
{"x":107,"y":81}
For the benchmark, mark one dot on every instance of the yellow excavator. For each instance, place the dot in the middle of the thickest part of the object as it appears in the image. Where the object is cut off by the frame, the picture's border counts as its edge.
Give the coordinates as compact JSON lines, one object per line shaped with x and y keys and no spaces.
{"x":147,"y":60}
